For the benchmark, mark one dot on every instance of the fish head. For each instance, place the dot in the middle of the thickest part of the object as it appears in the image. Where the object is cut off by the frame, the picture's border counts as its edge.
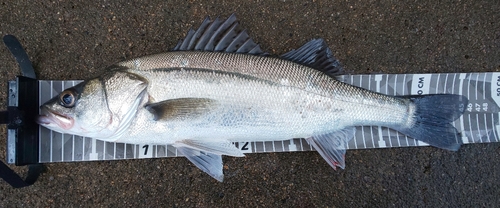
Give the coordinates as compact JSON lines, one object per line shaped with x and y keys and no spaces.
{"x":100,"y":108}
{"x":80,"y":110}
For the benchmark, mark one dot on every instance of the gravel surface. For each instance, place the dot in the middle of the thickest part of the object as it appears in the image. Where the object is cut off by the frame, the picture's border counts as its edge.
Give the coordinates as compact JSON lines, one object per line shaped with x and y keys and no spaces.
{"x":78,"y":39}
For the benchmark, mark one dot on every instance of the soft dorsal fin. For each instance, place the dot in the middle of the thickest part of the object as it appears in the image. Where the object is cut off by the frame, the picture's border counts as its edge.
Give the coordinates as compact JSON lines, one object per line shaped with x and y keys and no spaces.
{"x":317,"y":55}
{"x":219,"y":35}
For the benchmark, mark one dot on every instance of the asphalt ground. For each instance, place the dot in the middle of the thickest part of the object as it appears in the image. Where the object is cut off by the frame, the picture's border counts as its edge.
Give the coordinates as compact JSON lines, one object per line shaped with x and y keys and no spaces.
{"x":78,"y":39}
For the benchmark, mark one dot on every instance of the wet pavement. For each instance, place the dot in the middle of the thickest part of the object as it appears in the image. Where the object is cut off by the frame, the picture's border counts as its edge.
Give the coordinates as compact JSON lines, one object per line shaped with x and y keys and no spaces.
{"x":78,"y":39}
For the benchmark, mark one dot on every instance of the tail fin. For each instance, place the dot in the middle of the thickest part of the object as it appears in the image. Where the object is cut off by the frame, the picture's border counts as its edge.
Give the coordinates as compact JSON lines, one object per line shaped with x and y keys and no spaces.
{"x":433,"y":116}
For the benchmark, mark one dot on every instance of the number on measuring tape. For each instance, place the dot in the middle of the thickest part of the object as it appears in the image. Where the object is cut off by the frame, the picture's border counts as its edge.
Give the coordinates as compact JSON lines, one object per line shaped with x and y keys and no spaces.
{"x":245,"y":147}
{"x":145,"y":151}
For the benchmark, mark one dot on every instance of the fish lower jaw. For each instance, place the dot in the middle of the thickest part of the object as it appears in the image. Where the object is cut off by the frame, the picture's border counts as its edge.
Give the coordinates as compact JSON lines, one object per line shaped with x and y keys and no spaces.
{"x":43,"y":120}
{"x":51,"y":120}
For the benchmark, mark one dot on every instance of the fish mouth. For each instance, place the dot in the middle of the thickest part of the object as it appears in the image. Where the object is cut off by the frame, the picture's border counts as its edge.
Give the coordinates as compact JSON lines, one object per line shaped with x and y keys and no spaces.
{"x":50,"y":118}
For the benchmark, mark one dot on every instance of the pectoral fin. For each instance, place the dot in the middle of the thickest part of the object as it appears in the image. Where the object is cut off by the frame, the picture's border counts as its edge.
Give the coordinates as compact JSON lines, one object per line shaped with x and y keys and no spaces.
{"x":332,"y":146}
{"x":181,"y":108}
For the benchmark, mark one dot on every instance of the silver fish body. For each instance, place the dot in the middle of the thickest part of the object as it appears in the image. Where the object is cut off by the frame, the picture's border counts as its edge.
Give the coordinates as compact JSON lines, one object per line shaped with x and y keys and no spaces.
{"x":255,"y":98}
{"x":202,"y":101}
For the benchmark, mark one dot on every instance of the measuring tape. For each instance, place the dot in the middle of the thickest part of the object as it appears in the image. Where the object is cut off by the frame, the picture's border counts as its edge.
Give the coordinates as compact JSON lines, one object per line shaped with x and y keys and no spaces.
{"x":479,"y":123}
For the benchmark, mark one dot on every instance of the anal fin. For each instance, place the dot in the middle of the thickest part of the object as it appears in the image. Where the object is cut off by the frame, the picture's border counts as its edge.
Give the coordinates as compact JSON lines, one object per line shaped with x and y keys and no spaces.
{"x":332,"y":146}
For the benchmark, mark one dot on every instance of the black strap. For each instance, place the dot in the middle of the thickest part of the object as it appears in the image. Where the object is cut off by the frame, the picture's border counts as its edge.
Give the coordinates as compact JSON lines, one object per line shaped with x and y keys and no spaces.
{"x":22,"y":58}
{"x":4,"y":117}
{"x":34,"y":170}
{"x":12,"y":178}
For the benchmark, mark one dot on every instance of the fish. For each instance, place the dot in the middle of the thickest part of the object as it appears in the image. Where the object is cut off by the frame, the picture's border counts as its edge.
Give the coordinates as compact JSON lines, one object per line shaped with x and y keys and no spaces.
{"x":217,"y":87}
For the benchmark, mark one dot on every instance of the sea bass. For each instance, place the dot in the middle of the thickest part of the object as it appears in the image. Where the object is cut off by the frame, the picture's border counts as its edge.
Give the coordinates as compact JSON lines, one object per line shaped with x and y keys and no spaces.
{"x":217,"y":87}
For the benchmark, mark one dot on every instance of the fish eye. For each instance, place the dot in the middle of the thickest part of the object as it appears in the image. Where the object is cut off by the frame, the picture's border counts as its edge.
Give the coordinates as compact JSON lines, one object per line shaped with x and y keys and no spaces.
{"x":67,"y":98}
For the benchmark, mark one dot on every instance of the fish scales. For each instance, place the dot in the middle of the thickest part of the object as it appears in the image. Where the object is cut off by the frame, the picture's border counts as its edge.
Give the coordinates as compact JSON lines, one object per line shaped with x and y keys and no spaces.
{"x":297,"y":99}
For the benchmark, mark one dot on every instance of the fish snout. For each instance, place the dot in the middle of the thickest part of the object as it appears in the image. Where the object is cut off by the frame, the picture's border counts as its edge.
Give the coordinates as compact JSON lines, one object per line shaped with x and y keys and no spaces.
{"x":51,"y":119}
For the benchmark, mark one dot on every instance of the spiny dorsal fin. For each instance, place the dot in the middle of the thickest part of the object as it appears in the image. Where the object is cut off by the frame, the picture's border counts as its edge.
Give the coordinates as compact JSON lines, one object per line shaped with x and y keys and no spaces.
{"x":219,"y":35}
{"x":317,"y":55}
